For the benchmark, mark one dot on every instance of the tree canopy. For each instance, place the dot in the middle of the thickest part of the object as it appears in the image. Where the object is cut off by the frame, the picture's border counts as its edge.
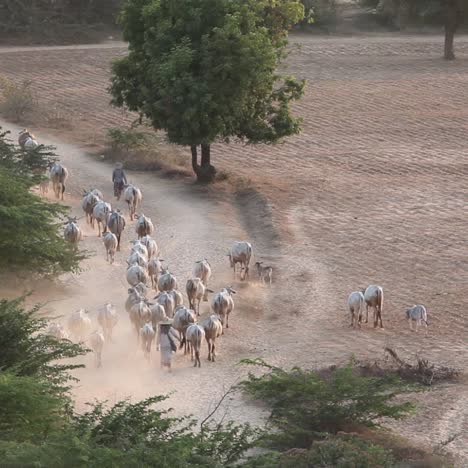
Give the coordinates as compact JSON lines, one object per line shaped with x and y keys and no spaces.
{"x":206,"y":70}
{"x":30,"y":229}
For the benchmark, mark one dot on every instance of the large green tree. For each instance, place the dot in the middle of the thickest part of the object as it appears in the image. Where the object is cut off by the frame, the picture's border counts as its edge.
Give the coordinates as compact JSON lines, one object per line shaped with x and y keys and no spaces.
{"x":206,"y":71}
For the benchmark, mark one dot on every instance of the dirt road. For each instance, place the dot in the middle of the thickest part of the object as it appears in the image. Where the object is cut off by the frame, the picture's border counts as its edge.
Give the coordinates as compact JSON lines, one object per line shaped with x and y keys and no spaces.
{"x":188,"y":228}
{"x":375,"y":192}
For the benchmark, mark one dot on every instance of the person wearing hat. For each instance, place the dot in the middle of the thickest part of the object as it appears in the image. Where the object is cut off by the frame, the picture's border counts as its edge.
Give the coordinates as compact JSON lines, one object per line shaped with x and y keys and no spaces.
{"x":119,"y":178}
{"x":167,"y":343}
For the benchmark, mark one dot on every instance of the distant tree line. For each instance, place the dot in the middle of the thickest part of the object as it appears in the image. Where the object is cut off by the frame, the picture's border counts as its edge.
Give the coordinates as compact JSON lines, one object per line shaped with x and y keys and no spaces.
{"x":452,"y":14}
{"x":16,"y":13}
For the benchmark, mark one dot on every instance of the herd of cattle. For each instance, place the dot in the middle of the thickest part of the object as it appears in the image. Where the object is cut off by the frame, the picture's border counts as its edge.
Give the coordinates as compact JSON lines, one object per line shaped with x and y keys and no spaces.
{"x":165,"y":319}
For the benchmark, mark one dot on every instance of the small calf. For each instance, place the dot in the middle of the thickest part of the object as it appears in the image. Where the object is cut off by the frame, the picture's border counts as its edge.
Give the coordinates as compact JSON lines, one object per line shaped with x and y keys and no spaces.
{"x":418,"y":314}
{"x":265,"y":273}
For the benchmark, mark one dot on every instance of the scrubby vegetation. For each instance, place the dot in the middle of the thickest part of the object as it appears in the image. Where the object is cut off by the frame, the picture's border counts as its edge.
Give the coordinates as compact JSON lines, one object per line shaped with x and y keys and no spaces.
{"x":30,"y":228}
{"x":310,"y":410}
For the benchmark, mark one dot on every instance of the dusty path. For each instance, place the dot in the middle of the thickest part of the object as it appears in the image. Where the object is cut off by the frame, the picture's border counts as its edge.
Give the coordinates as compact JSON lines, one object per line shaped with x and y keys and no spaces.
{"x":187,"y":229}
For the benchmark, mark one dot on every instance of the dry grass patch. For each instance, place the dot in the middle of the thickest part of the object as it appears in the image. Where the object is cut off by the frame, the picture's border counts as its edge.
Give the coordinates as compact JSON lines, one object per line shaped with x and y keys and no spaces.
{"x":18,"y":103}
{"x":145,"y":150}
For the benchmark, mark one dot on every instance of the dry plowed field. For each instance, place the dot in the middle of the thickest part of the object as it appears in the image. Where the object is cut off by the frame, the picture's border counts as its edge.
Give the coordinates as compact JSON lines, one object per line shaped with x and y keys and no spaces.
{"x":373,"y":191}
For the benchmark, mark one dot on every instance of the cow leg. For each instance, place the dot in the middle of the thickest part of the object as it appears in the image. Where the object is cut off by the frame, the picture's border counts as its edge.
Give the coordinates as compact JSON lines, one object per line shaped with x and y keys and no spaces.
{"x":352,"y":319}
{"x":209,"y":350}
{"x":118,"y":242}
{"x":63,"y":190}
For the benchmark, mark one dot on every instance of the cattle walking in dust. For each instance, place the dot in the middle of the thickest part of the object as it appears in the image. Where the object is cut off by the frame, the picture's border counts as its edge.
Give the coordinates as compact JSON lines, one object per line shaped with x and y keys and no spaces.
{"x":154,"y":270}
{"x":108,"y":318}
{"x":265,"y":273}
{"x":147,"y":334}
{"x":166,"y":300}
{"x":418,"y":315}
{"x":373,"y":296}
{"x":140,"y":314}
{"x":196,"y":291}
{"x":100,"y":214}
{"x":90,"y":200}
{"x":183,"y":318}
{"x":72,"y":232}
{"x":144,"y":226}
{"x":133,"y":198}
{"x":202,"y":270}
{"x":194,"y":335}
{"x":116,"y":225}
{"x":223,"y":304}
{"x":151,"y":246}
{"x":213,"y":329}
{"x":79,"y":325}
{"x":241,"y":252}
{"x":356,"y":304}
{"x":167,"y":281}
{"x":58,"y":177}
{"x":110,"y":243}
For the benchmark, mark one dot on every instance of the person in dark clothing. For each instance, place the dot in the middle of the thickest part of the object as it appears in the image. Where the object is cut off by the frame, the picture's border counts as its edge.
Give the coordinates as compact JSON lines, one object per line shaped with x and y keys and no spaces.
{"x":120,"y":179}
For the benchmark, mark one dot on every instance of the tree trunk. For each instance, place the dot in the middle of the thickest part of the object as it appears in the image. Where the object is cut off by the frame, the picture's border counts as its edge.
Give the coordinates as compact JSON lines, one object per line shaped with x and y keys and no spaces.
{"x":205,"y":171}
{"x":451,"y":23}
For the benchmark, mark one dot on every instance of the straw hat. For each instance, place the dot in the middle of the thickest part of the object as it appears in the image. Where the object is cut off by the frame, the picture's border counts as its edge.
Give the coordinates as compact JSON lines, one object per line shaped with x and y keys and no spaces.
{"x":118,"y":165}
{"x":166,"y":322}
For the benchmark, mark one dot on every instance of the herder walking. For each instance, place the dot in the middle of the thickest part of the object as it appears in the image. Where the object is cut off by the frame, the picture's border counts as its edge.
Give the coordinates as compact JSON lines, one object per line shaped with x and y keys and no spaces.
{"x":120,"y":180}
{"x":167,"y":344}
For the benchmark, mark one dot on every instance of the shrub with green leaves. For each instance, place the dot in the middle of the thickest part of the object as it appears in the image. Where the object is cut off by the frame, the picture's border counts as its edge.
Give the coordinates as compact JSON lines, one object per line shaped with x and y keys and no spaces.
{"x":334,"y":451}
{"x":306,"y":404}
{"x":30,"y":228}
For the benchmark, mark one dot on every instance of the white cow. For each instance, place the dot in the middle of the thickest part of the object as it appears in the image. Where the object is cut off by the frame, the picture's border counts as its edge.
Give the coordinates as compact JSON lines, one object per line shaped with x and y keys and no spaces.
{"x":154,"y":270}
{"x":144,"y":226}
{"x":195,"y":334}
{"x":116,"y":225}
{"x":72,"y":232}
{"x":147,"y":334}
{"x":167,"y":301}
{"x":133,"y":198}
{"x":136,"y":258}
{"x":101,"y":213}
{"x":90,"y":200}
{"x":58,"y":177}
{"x":223,"y":304}
{"x":213,"y":329}
{"x":151,"y":246}
{"x":373,"y":296}
{"x":110,"y":243}
{"x":202,"y":270}
{"x":140,"y":314}
{"x":136,"y":274}
{"x":167,"y":281}
{"x":183,"y":317}
{"x":138,"y":246}
{"x":79,"y":325}
{"x":196,"y":291}
{"x":356,"y":303}
{"x":108,"y":318}
{"x":241,"y":252}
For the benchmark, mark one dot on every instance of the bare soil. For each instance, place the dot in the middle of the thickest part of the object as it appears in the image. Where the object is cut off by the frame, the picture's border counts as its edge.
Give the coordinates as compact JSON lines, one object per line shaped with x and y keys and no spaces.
{"x":372,"y":191}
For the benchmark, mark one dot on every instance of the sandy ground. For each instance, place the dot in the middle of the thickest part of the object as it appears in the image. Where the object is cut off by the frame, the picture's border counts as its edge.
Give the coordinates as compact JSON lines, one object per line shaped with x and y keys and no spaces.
{"x":374,"y":193}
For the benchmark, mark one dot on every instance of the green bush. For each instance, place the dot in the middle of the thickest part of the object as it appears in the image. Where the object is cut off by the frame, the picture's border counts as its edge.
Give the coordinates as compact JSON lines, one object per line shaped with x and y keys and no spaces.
{"x":306,"y":404}
{"x":30,"y":228}
{"x":339,"y":452}
{"x":320,"y":13}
